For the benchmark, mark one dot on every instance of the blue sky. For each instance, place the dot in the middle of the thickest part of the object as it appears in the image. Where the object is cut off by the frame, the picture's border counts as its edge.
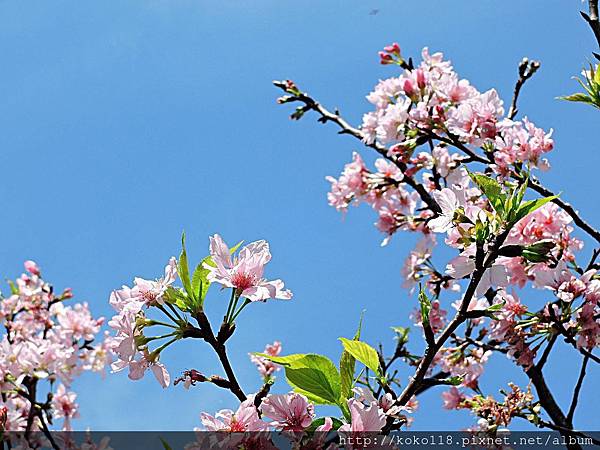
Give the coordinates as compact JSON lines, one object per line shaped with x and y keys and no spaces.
{"x":124,"y":123}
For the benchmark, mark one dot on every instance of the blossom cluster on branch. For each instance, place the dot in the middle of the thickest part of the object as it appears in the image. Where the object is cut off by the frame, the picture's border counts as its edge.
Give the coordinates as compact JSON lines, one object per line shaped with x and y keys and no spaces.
{"x":47,"y":344}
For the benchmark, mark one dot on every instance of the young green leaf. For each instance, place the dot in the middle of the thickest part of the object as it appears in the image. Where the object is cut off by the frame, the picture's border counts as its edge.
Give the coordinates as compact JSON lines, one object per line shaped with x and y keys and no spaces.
{"x":425,"y":305}
{"x":347,"y":367}
{"x":578,"y":97}
{"x":184,"y":270}
{"x":200,"y":283}
{"x":531,"y":205}
{"x":364,"y":353}
{"x":401,"y":334}
{"x":177,"y":297}
{"x":312,"y":375}
{"x":492,"y":190}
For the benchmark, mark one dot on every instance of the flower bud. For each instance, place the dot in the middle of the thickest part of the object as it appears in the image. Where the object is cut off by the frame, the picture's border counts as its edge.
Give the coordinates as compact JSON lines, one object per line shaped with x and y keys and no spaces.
{"x":393,"y":49}
{"x":408,"y":88}
{"x":32,"y":267}
{"x":420,"y":79}
{"x":385,"y":58}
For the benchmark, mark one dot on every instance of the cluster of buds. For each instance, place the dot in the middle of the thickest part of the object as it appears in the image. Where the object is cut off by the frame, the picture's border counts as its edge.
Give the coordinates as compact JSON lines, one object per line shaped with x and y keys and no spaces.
{"x":390,"y":55}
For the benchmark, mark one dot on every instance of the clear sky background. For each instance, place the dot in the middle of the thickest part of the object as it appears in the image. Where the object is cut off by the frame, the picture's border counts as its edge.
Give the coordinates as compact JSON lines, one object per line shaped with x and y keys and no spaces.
{"x":123,"y":123}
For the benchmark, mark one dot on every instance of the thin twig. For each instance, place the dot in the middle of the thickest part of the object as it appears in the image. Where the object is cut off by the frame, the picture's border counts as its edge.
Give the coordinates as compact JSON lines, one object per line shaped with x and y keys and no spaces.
{"x":526,"y":70}
{"x":544,"y":358}
{"x":346,"y":128}
{"x":577,"y":389}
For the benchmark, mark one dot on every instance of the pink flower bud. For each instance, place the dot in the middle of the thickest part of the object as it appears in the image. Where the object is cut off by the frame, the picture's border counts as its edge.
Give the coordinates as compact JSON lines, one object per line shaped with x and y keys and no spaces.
{"x":409,"y":90}
{"x":32,"y":267}
{"x":420,"y":79}
{"x":393,"y":49}
{"x":385,"y":58}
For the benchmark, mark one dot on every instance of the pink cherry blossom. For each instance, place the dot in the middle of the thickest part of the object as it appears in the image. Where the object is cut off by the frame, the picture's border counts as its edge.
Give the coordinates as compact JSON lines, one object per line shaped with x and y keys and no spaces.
{"x":32,"y":267}
{"x":364,"y":418}
{"x":65,"y":407}
{"x":244,"y":419}
{"x":290,"y":412}
{"x":138,"y":367}
{"x":351,"y":185}
{"x":153,"y":291}
{"x":245,"y":271}
{"x":265,"y":367}
{"x":452,"y":398}
{"x":588,"y":322}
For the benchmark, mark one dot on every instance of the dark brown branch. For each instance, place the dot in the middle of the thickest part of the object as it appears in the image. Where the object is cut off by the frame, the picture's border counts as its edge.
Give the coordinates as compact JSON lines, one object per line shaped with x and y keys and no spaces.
{"x":544,"y":358}
{"x":346,"y":128}
{"x":592,"y":19}
{"x":221,"y":351}
{"x":526,"y":70}
{"x":548,"y":402}
{"x":577,"y":389}
{"x":438,"y":376}
{"x":264,"y":391}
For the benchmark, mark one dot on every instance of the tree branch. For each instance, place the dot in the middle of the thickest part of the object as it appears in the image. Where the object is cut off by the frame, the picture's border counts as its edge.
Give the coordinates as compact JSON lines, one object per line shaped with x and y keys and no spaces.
{"x":219,"y":347}
{"x":346,"y":128}
{"x":592,"y":19}
{"x":548,"y":402}
{"x":418,"y":379}
{"x":526,"y":70}
{"x":577,"y":389}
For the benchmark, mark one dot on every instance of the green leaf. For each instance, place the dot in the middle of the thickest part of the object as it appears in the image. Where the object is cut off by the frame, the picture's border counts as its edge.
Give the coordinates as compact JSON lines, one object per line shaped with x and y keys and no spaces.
{"x":495,"y":307}
{"x":401,"y":334}
{"x":492,"y":190}
{"x":347,"y":368}
{"x":165,"y":444}
{"x":425,"y":304}
{"x":200,"y":283}
{"x":184,"y":270}
{"x":364,"y":353}
{"x":177,"y":297}
{"x":14,"y":290}
{"x":539,"y":252}
{"x":531,"y":205}
{"x":312,"y":375}
{"x":454,"y":381}
{"x":578,"y":97}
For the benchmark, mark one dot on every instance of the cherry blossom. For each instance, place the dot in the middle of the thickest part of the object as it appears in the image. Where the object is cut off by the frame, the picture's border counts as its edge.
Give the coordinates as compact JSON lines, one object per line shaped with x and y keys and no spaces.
{"x":265,"y":367}
{"x":245,"y":271}
{"x":289,"y":412}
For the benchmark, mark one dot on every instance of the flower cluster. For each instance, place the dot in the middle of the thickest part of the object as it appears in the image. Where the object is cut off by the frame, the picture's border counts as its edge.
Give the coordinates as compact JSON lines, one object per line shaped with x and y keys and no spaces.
{"x":242,"y":273}
{"x":47,"y":344}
